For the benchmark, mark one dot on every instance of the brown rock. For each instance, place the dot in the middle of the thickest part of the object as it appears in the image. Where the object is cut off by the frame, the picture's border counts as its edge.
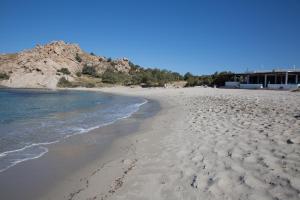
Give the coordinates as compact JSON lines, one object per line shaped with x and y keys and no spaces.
{"x":37,"y":67}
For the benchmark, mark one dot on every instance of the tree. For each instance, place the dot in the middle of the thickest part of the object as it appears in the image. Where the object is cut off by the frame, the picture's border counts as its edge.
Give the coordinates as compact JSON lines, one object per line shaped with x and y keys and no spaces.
{"x":219,"y":79}
{"x":205,"y":80}
{"x":176,"y":76}
{"x":89,"y":70}
{"x":63,"y":82}
{"x":192,"y":81}
{"x":187,"y":75}
{"x":112,"y":77}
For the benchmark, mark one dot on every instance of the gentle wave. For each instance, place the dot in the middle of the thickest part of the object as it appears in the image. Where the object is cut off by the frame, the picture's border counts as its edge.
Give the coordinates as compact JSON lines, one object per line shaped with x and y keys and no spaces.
{"x":15,"y":162}
{"x":41,"y":146}
{"x":26,"y":147}
{"x":82,"y":130}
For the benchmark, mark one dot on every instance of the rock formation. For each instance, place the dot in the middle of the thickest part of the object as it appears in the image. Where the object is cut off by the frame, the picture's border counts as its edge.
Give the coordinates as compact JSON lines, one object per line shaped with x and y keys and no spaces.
{"x":38,"y":67}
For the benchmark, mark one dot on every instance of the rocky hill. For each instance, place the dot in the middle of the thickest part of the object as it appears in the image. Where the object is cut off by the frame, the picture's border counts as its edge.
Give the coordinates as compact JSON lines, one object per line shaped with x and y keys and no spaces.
{"x":41,"y":67}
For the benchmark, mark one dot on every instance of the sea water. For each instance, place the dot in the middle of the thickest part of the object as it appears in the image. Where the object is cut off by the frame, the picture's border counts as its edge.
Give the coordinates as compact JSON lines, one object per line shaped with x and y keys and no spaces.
{"x":32,"y":119}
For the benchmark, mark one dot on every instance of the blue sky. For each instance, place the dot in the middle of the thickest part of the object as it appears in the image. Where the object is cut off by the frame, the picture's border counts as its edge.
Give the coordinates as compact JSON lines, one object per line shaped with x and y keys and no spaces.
{"x":197,"y":36}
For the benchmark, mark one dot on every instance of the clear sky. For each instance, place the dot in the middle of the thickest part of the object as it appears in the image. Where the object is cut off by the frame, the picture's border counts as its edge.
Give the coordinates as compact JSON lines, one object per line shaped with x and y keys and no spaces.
{"x":197,"y":36}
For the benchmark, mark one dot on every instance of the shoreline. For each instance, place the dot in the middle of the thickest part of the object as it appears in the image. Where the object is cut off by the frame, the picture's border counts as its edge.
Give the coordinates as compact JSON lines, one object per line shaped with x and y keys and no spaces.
{"x":44,"y":144}
{"x":96,"y":141}
{"x":203,"y":143}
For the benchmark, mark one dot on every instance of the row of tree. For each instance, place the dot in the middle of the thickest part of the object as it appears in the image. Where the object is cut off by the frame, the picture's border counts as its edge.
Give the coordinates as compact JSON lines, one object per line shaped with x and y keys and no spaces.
{"x":217,"y":79}
{"x":136,"y":76}
{"x":154,"y":77}
{"x":149,"y":77}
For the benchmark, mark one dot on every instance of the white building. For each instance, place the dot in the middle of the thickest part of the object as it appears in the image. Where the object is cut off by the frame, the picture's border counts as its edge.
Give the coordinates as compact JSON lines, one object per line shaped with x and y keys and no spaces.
{"x":273,"y":79}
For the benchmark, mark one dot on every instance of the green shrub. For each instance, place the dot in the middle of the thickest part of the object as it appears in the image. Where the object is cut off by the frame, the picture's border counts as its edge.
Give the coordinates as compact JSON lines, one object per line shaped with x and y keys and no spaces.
{"x":4,"y":76}
{"x":89,"y":70}
{"x":187,"y":76}
{"x":89,"y":85}
{"x":63,"y":82}
{"x":109,"y":60}
{"x":78,"y":74}
{"x":192,"y":81}
{"x":152,"y":77}
{"x":219,"y":79}
{"x":92,"y":54}
{"x":64,"y":71}
{"x":112,"y":77}
{"x":78,"y":58}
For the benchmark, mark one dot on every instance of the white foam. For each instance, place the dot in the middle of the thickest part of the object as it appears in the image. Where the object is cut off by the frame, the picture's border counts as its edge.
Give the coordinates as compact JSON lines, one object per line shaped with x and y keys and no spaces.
{"x":86,"y":130}
{"x":26,"y":147}
{"x":80,"y":131}
{"x":24,"y":159}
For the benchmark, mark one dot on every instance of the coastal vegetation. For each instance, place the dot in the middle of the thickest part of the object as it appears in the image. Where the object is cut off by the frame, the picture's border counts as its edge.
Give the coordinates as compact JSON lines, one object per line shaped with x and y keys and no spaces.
{"x":4,"y":76}
{"x":136,"y":76}
{"x":63,"y":82}
{"x":145,"y":77}
{"x":78,"y":74}
{"x":217,"y":79}
{"x":153,"y":77}
{"x":112,"y":77}
{"x":64,"y":71}
{"x":89,"y":70}
{"x":89,"y":77}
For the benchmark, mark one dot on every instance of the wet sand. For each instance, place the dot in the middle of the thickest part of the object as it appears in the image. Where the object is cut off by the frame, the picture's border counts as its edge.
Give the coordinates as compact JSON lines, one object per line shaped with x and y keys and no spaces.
{"x":34,"y":179}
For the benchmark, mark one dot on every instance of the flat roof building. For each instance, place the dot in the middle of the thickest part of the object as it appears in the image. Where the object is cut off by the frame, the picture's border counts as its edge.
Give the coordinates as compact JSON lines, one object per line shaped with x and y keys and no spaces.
{"x":271,"y":79}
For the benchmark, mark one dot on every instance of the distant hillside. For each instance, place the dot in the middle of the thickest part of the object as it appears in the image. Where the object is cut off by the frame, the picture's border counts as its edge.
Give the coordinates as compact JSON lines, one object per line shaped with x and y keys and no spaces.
{"x":59,"y":64}
{"x":41,"y":66}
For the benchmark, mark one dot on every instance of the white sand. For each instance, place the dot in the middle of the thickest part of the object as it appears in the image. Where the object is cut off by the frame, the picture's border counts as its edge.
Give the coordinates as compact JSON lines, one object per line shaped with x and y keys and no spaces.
{"x":204,"y":144}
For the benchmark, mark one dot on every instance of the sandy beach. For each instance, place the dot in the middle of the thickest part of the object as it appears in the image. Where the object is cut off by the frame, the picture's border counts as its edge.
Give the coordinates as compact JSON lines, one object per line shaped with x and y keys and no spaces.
{"x":150,"y":100}
{"x":203,"y":143}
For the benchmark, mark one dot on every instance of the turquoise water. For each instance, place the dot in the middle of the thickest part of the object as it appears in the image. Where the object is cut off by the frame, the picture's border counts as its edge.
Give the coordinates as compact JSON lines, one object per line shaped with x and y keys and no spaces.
{"x":32,"y":119}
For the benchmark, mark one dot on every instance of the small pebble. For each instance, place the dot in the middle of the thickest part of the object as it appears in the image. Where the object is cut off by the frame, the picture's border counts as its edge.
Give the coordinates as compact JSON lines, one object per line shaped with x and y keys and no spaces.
{"x":289,"y":141}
